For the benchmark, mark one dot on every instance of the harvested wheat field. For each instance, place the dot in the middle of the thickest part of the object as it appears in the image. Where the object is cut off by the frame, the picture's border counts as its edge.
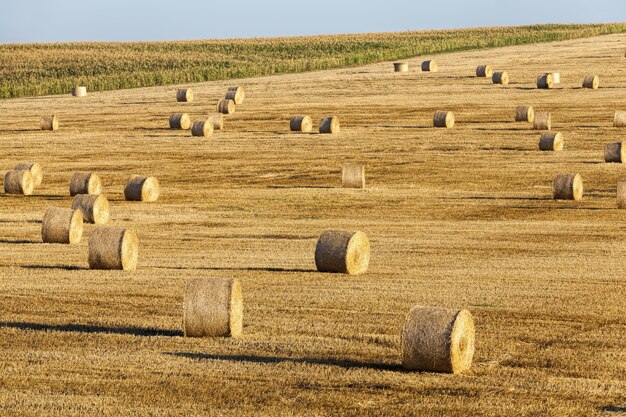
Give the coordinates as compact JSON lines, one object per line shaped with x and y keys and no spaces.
{"x":459,"y":218}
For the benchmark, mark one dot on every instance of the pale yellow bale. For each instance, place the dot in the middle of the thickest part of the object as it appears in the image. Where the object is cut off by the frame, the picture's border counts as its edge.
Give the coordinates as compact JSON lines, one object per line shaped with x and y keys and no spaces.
{"x":484,"y":71}
{"x":500,"y":77}
{"x":85,"y":183}
{"x":79,"y":91}
{"x":556,"y":77}
{"x":217,"y":120}
{"x":438,"y":340}
{"x":614,"y":152}
{"x":140,"y":188}
{"x":226,"y":106}
{"x":551,"y":141}
{"x":213,"y":307}
{"x":301,"y":124}
{"x":49,"y":123}
{"x":443,"y":119}
{"x":621,"y":195}
{"x":524,"y":114}
{"x":95,"y":207}
{"x":62,"y":225}
{"x":342,"y":252}
{"x":591,"y":81}
{"x":19,"y":182}
{"x":330,"y":125}
{"x":353,"y":176}
{"x":35,"y":170}
{"x":567,"y":187}
{"x":400,"y":67}
{"x":543,"y":121}
{"x":180,"y":121}
{"x":184,"y":95}
{"x":113,"y":248}
{"x":202,"y":128}
{"x":430,"y":66}
{"x":619,"y":118}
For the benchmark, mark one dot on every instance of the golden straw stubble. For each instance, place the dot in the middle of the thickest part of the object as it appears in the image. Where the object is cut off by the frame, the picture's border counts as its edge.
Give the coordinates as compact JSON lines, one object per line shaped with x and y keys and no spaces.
{"x":85,"y":183}
{"x":353,"y":176}
{"x":614,"y":152}
{"x":140,"y":188}
{"x":19,"y":182}
{"x":202,"y":128}
{"x":35,"y":170}
{"x":438,"y":340}
{"x":621,"y":195}
{"x":213,"y":307}
{"x":62,"y":225}
{"x":301,"y":124}
{"x":342,"y":252}
{"x":443,"y":119}
{"x":524,"y":114}
{"x":329,"y":125}
{"x":551,"y":141}
{"x":180,"y":121}
{"x":95,"y":207}
{"x":113,"y":248}
{"x":567,"y":187}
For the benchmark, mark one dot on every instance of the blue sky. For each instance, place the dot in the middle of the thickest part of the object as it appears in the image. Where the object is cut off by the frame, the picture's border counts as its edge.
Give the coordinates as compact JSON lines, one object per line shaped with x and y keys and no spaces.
{"x":118,"y":20}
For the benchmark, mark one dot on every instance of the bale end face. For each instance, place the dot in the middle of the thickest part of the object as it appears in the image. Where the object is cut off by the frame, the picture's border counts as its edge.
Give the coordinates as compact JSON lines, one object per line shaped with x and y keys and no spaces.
{"x":113,"y":248}
{"x":19,"y":182}
{"x":62,"y":225}
{"x":301,"y":124}
{"x":567,"y":187}
{"x":342,"y":252}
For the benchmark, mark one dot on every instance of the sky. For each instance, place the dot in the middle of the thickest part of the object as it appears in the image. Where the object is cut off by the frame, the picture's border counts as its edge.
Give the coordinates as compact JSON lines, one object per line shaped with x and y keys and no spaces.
{"x":25,"y":21}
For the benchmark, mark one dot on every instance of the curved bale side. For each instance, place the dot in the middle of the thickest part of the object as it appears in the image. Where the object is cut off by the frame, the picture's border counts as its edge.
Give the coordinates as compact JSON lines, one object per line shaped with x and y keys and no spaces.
{"x":619,"y":118}
{"x":567,"y":187}
{"x":430,"y":66}
{"x":140,"y":188}
{"x":329,"y":125}
{"x":184,"y":95}
{"x":301,"y":124}
{"x":551,"y":141}
{"x":79,"y":91}
{"x":438,"y":339}
{"x":342,"y":252}
{"x":113,"y":248}
{"x":443,"y":119}
{"x":543,"y":121}
{"x":95,"y":207}
{"x":614,"y":152}
{"x":35,"y":170}
{"x":591,"y":82}
{"x":524,"y":114}
{"x":353,"y":176}
{"x":62,"y":225}
{"x":85,"y":183}
{"x":217,"y":120}
{"x":49,"y":123}
{"x":545,"y":81}
{"x":400,"y":67}
{"x":621,"y":195}
{"x":202,"y":128}
{"x":500,"y":77}
{"x":213,"y":307}
{"x":226,"y":106}
{"x":180,"y":121}
{"x":484,"y":71}
{"x":19,"y":182}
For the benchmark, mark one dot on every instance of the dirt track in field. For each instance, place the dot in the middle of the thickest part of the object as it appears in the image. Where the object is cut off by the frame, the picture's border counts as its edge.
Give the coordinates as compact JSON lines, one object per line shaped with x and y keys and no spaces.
{"x":456,"y":218}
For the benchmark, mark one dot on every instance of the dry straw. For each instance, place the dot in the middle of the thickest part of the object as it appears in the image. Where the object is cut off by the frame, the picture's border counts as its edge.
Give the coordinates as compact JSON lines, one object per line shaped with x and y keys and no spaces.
{"x":85,"y":183}
{"x":500,"y":77}
{"x":62,"y":225}
{"x":619,"y":119}
{"x":140,"y":188}
{"x":556,"y":77}
{"x":184,"y":95}
{"x":35,"y":170}
{"x":329,"y":124}
{"x":226,"y":106}
{"x":342,"y":252}
{"x":524,"y":114}
{"x":430,"y":66}
{"x":49,"y":123}
{"x":95,"y":208}
{"x":113,"y":248}
{"x":236,"y":94}
{"x":621,"y":195}
{"x":443,"y":119}
{"x":301,"y":124}
{"x":213,"y":307}
{"x":591,"y":81}
{"x":438,"y":340}
{"x":202,"y":128}
{"x":19,"y":182}
{"x":400,"y":67}
{"x":567,"y":187}
{"x":614,"y":152}
{"x":217,"y":120}
{"x":180,"y":121}
{"x":79,"y":91}
{"x":543,"y":121}
{"x":353,"y":176}
{"x":551,"y":141}
{"x":545,"y":81}
{"x":484,"y":71}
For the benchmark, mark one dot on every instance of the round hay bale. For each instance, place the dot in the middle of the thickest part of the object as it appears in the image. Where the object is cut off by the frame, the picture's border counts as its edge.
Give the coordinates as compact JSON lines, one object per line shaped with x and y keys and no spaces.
{"x":621,"y":195}
{"x":484,"y":71}
{"x":500,"y":77}
{"x":567,"y":187}
{"x":85,"y":183}
{"x":35,"y":170}
{"x":400,"y":67}
{"x":614,"y":152}
{"x":180,"y":121}
{"x":140,"y":188}
{"x":545,"y":81}
{"x":95,"y":207}
{"x":62,"y":225}
{"x":524,"y":114}
{"x":330,"y":125}
{"x":217,"y":120}
{"x":49,"y":123}
{"x":184,"y":95}
{"x":556,"y":77}
{"x":543,"y":121}
{"x":226,"y":106}
{"x":551,"y":141}
{"x":301,"y":124}
{"x":79,"y":91}
{"x":353,"y":176}
{"x":443,"y":119}
{"x":430,"y":66}
{"x":591,"y":81}
{"x":240,"y":94}
{"x":113,"y":248}
{"x":213,"y":307}
{"x":19,"y":182}
{"x":619,"y":119}
{"x":203,"y":128}
{"x":342,"y":252}
{"x":438,"y":340}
